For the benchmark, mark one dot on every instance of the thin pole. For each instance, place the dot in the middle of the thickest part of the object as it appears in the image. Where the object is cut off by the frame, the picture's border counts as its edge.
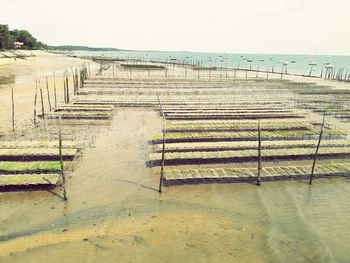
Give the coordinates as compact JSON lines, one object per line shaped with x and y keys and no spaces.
{"x":311,"y":68}
{"x":316,"y":153}
{"x":163,"y":161}
{"x":13,"y":110}
{"x":42,"y":101}
{"x":76,"y":84}
{"x":73,"y":77}
{"x":61,"y":159}
{"x":35,"y":99}
{"x":282,"y":72}
{"x":163,"y":147}
{"x":258,"y":180}
{"x":267,"y":73}
{"x":48,"y":92}
{"x":54,"y":88}
{"x":67,"y":86}
{"x":64,"y":90}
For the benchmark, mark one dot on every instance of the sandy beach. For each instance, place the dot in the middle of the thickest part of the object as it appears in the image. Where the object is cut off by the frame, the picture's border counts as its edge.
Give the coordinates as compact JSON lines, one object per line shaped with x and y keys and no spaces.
{"x":21,"y":75}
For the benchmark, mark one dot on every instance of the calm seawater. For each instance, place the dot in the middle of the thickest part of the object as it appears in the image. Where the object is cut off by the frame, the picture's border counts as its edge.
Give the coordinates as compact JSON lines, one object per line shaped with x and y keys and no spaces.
{"x":296,"y":64}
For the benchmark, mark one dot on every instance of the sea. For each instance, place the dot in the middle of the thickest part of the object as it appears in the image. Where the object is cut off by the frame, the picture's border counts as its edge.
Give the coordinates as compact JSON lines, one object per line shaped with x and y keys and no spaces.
{"x":294,"y":64}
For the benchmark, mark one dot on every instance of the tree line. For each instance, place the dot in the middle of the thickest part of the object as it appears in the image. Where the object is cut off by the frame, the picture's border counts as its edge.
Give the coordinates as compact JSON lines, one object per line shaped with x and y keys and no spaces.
{"x":84,"y":48}
{"x":9,"y":37}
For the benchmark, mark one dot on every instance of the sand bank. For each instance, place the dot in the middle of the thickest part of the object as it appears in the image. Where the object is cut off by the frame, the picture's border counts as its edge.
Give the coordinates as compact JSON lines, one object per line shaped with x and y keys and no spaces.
{"x":20,"y":75}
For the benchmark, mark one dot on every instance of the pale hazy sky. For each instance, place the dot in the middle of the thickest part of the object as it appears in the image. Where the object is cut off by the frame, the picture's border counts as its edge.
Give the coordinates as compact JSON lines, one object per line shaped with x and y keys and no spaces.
{"x":237,"y":26}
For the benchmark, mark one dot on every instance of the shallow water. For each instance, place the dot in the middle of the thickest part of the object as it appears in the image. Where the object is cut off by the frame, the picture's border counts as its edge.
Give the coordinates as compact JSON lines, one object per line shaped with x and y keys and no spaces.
{"x":114,"y":212}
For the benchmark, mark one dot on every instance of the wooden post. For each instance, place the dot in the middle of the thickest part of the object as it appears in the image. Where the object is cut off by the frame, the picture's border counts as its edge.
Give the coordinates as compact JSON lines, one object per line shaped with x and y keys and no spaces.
{"x":67,"y":90}
{"x":267,"y":73}
{"x":163,"y":161}
{"x":67,"y":86}
{"x":311,"y":68}
{"x":73,"y":79}
{"x":13,"y":110}
{"x":77,"y":81}
{"x":64,"y":90}
{"x":76,"y":85}
{"x":42,"y":101}
{"x":48,"y":92}
{"x":316,"y":153}
{"x":282,"y":72}
{"x":258,"y":180}
{"x":81,"y":78}
{"x":163,"y":147}
{"x":35,"y":99}
{"x":61,"y":159}
{"x":54,"y":89}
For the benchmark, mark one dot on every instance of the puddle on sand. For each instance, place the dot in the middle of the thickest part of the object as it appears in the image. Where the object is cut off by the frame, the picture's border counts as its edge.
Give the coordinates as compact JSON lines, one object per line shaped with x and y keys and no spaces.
{"x":7,"y":80}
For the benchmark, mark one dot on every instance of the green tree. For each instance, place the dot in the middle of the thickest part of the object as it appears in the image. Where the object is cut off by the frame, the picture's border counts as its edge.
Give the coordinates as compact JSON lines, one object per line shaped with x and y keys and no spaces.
{"x":6,"y":39}
{"x":28,"y":40}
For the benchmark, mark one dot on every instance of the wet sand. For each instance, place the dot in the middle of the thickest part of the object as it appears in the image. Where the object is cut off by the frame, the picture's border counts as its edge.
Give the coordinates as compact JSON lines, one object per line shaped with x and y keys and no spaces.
{"x":115,"y":214}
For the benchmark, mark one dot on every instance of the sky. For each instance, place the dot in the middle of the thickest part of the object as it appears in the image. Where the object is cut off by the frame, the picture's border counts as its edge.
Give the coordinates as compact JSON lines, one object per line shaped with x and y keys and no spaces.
{"x":314,"y":27}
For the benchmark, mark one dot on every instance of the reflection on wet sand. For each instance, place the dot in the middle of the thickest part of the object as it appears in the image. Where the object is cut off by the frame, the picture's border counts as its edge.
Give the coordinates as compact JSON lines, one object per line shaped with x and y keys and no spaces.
{"x":7,"y":80}
{"x":123,"y":218}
